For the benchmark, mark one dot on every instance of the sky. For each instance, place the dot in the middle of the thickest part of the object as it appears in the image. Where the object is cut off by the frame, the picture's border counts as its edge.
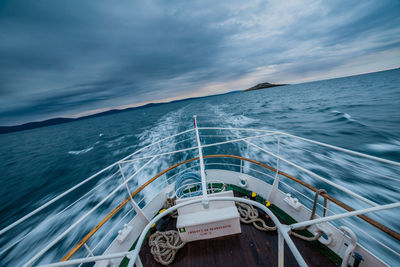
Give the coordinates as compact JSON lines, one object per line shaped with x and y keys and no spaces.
{"x":71,"y":58}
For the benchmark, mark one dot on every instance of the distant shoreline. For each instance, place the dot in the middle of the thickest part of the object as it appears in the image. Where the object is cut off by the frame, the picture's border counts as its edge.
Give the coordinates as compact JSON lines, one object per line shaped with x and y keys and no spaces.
{"x":61,"y":120}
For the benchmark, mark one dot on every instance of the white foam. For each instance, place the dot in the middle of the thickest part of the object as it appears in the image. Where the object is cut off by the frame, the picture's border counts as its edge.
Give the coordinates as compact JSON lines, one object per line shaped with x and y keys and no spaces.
{"x":384,"y":147}
{"x":78,"y":152}
{"x":344,"y":115}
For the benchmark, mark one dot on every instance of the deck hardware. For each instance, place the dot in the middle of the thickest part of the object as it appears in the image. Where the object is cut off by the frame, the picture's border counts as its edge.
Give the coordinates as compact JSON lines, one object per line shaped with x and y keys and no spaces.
{"x":324,"y":228}
{"x":357,"y":259}
{"x":122,"y":234}
{"x":351,"y":247}
{"x":243,"y":181}
{"x":293,"y":202}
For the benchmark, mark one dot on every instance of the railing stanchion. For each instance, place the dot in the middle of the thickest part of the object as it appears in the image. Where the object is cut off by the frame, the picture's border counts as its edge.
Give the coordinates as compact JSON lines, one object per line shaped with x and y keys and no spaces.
{"x":88,"y":250}
{"x":276,"y":180}
{"x":281,"y":249}
{"x":165,"y":178}
{"x":134,"y":205}
{"x":202,"y":168}
{"x":241,"y":166}
{"x":138,"y":262}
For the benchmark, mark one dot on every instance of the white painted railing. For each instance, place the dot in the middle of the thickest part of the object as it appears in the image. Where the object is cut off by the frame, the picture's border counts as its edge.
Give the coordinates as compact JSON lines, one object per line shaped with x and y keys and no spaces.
{"x":238,"y":137}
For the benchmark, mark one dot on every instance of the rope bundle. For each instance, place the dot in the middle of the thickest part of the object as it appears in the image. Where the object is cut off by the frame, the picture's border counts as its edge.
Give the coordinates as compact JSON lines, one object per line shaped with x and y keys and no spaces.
{"x":313,"y":238}
{"x":249,"y":214}
{"x":168,"y":204}
{"x":164,"y":245}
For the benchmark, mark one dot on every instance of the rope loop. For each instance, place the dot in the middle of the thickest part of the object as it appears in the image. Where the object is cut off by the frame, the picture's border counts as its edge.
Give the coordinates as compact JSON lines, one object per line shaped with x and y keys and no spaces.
{"x":168,"y":204}
{"x":249,"y":214}
{"x":165,"y":245}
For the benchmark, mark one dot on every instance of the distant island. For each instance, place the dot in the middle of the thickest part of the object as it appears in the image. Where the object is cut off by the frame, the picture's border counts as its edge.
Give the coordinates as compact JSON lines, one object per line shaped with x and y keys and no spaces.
{"x":263,"y":86}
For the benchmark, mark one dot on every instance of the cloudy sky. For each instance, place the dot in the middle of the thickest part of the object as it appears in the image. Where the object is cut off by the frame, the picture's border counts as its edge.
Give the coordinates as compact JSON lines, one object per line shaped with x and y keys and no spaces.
{"x":68,"y":58}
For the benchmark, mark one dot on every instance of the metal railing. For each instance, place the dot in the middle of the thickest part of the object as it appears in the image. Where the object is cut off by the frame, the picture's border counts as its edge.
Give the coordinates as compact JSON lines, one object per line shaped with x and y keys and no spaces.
{"x":258,"y":134}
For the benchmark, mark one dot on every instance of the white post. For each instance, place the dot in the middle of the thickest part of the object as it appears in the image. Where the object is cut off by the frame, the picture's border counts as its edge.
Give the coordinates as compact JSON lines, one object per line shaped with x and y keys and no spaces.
{"x":134,"y":205}
{"x":241,"y":166}
{"x":139,"y":262}
{"x":202,"y":169}
{"x":88,"y":249}
{"x":281,"y":249}
{"x":276,"y":180}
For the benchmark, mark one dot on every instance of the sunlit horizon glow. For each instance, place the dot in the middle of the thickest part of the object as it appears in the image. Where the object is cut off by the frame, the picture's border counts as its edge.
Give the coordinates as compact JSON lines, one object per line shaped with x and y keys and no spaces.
{"x":74,"y":58}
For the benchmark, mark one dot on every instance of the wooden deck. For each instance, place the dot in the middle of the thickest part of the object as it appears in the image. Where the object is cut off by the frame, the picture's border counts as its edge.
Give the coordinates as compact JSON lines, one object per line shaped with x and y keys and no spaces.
{"x":250,"y":248}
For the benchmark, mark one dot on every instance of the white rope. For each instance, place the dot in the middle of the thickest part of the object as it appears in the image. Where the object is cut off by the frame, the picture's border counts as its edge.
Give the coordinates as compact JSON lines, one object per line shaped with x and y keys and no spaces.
{"x":249,"y":214}
{"x":316,"y":236}
{"x":168,"y":204}
{"x":165,"y":245}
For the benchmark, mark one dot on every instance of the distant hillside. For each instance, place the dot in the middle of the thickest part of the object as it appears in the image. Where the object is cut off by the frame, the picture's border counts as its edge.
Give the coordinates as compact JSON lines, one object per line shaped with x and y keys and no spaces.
{"x":263,"y":86}
{"x":54,"y":121}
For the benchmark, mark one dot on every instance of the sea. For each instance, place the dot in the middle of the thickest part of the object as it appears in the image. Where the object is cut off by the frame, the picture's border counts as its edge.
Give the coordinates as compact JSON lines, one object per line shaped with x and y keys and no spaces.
{"x":360,"y":113}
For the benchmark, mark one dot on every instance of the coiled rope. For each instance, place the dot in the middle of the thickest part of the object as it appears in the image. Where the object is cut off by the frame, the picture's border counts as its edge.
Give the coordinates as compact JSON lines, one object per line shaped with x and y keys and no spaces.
{"x":249,"y":214}
{"x":168,"y":204}
{"x":164,"y":246}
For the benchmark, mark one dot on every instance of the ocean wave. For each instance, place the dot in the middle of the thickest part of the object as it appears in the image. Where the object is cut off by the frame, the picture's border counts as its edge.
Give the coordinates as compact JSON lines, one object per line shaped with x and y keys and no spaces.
{"x":117,"y":141}
{"x":384,"y":147}
{"x":343,"y":115}
{"x":78,"y":152}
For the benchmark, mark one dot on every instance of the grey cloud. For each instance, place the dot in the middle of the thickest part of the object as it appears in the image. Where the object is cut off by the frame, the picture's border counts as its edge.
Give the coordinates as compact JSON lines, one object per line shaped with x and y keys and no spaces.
{"x":78,"y":55}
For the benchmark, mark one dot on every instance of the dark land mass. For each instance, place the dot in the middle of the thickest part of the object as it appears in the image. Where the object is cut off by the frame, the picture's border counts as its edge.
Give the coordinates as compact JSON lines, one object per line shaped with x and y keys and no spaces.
{"x":263,"y":86}
{"x":54,"y":121}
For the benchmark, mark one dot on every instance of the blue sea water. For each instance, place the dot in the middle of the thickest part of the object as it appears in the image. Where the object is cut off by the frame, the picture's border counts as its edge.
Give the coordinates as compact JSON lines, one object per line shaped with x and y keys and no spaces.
{"x":361,"y":113}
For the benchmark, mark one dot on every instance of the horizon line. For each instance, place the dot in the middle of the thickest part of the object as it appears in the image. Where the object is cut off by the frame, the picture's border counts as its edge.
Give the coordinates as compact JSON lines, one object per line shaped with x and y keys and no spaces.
{"x":169,"y":100}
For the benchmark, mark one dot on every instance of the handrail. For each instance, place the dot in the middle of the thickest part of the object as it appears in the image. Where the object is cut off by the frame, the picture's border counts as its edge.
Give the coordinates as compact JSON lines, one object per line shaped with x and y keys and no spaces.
{"x":348,"y":151}
{"x":340,"y":187}
{"x":114,"y":211}
{"x":376,"y":224}
{"x":27,"y":216}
